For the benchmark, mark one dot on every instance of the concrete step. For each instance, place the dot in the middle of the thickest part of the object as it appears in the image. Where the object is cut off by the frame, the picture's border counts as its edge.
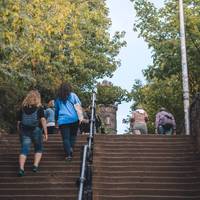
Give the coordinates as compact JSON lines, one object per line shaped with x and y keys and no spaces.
{"x":145,"y":179}
{"x":145,"y":167}
{"x":137,"y":137}
{"x":151,"y":192}
{"x":145,"y":154}
{"x":148,"y":185}
{"x":66,"y":167}
{"x":144,"y":149}
{"x":144,"y":197}
{"x":145,"y":158}
{"x":38,"y":197}
{"x":39,"y":185}
{"x":55,"y":180}
{"x":155,"y":146}
{"x":157,"y":168}
{"x":31,"y":178}
{"x":146,"y":163}
{"x":144,"y":173}
{"x":41,"y":173}
{"x":38,"y":191}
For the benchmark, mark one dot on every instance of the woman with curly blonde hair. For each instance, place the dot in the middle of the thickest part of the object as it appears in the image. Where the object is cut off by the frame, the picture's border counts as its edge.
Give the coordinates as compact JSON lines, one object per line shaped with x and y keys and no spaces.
{"x":30,"y":122}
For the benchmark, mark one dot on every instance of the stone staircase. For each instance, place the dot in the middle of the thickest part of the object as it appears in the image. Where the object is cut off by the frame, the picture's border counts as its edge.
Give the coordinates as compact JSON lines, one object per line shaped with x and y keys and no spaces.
{"x":55,"y":180}
{"x":129,"y":167}
{"x":125,"y":167}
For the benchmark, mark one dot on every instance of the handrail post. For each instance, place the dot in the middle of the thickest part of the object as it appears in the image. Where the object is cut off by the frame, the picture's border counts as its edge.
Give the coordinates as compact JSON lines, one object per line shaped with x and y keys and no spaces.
{"x":82,"y":178}
{"x":92,"y":120}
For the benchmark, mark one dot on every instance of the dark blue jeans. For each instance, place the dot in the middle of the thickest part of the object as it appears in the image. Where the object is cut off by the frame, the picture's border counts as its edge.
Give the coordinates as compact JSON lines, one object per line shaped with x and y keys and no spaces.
{"x":31,"y":136}
{"x":163,"y":130}
{"x":69,"y":133}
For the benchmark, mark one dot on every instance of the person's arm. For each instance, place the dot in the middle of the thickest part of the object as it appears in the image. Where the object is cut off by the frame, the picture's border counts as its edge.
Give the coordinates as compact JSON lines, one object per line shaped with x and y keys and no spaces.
{"x":44,"y":126}
{"x":174,"y":125}
{"x":18,"y":126}
{"x":79,"y":112}
{"x":133,"y":117}
{"x":43,"y":122}
{"x":19,"y":117}
{"x":56,"y":112}
{"x":146,"y":118}
{"x":46,"y":113}
{"x":156,"y":122}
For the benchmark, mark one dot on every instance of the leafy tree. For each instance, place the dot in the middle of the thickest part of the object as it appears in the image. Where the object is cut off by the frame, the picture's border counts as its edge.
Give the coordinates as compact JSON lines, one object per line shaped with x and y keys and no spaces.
{"x":108,"y":94}
{"x":160,"y":29}
{"x":43,"y":43}
{"x":161,"y":93}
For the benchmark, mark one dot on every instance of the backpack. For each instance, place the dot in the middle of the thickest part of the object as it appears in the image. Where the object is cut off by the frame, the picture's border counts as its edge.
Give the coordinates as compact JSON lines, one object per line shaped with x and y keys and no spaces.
{"x":166,"y":121}
{"x":30,"y":120}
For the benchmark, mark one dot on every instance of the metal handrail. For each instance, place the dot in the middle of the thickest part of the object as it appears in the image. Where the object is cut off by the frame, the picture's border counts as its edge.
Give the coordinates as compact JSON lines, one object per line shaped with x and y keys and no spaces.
{"x":92,"y":120}
{"x":82,"y":178}
{"x":87,"y":151}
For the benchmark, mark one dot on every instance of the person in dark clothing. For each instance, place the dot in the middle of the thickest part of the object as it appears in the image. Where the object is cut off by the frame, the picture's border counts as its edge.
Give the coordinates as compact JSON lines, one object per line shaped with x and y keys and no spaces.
{"x":85,"y":125}
{"x":30,"y":122}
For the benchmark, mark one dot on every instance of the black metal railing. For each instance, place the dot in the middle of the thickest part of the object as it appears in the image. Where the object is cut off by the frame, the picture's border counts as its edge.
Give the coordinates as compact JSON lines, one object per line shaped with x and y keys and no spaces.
{"x":85,"y":180}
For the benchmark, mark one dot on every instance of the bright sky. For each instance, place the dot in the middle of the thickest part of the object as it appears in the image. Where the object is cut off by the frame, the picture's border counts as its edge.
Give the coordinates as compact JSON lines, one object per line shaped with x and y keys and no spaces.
{"x":134,"y":57}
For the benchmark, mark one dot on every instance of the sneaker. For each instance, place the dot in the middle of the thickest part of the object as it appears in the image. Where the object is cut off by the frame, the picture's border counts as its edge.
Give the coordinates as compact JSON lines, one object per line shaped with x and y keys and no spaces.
{"x":71,"y":154}
{"x":69,"y":158}
{"x":35,"y":168}
{"x":21,"y":173}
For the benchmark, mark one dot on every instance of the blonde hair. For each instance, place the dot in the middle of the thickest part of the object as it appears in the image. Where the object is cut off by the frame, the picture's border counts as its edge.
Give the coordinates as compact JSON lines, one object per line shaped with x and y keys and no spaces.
{"x":33,"y":98}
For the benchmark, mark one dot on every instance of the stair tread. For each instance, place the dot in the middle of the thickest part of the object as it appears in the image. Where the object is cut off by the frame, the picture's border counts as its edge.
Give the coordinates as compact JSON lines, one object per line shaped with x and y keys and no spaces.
{"x":160,"y":167}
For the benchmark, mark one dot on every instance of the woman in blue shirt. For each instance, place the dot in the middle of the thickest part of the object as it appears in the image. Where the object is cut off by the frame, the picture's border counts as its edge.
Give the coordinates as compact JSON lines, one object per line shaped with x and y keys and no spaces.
{"x":68,"y":114}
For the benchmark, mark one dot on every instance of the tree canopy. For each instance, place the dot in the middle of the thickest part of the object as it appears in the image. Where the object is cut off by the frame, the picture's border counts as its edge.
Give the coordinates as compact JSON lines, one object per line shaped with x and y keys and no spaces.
{"x":46,"y":42}
{"x":159,"y":27}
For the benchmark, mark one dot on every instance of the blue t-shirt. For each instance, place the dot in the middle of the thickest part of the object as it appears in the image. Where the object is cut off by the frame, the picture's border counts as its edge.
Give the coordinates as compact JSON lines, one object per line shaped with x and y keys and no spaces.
{"x":49,"y":115}
{"x":65,"y":110}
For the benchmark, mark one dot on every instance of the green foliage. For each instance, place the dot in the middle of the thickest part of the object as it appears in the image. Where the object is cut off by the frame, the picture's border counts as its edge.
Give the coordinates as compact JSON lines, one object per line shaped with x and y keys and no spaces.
{"x":108,"y":94}
{"x":160,"y":29}
{"x":161,"y":93}
{"x":43,"y":43}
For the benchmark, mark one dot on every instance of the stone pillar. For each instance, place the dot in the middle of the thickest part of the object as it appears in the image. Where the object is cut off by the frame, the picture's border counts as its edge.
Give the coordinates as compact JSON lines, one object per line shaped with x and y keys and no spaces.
{"x":108,"y":115}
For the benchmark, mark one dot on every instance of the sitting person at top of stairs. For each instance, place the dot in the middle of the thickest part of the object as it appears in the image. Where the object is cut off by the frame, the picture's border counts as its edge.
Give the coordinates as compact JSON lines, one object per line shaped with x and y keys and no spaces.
{"x":139,"y":121}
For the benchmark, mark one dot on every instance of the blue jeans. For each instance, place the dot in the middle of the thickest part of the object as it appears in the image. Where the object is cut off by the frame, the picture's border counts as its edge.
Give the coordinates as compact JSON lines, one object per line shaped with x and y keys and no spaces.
{"x":69,"y":133}
{"x":31,"y":136}
{"x":163,"y":130}
{"x":142,"y":127}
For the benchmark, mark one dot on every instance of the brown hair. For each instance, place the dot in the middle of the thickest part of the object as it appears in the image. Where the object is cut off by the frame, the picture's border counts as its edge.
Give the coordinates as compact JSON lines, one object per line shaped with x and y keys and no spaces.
{"x":51,"y":104}
{"x":64,"y":91}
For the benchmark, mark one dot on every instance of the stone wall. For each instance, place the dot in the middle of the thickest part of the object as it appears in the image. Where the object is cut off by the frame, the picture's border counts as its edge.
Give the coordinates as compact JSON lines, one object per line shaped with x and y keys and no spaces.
{"x":195,"y":118}
{"x":108,"y":115}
